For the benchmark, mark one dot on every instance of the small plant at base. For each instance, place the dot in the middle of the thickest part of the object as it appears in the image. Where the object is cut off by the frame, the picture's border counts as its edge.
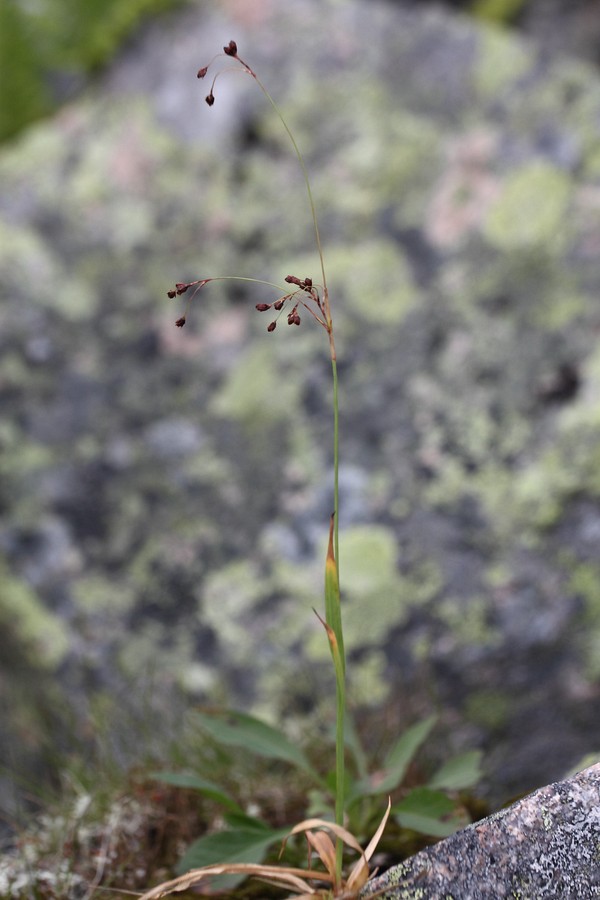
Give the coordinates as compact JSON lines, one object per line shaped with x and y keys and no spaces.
{"x":302,"y":295}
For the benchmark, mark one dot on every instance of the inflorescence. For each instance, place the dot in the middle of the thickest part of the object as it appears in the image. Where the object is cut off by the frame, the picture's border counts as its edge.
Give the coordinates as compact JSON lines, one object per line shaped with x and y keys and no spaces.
{"x":306,"y":294}
{"x":231,"y":51}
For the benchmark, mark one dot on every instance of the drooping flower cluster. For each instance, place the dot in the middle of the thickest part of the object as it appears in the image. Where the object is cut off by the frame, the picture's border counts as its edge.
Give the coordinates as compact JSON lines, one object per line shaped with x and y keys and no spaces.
{"x":307,"y":296}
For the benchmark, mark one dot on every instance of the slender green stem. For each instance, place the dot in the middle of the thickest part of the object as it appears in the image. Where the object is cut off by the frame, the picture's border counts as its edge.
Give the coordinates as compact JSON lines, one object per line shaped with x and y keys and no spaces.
{"x":340,"y":764}
{"x":336,"y":463}
{"x":341,"y":667}
{"x":340,"y":773}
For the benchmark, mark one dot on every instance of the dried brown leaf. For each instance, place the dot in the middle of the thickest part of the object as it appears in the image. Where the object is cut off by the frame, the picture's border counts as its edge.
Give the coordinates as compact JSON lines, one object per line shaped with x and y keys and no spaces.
{"x":290,"y":878}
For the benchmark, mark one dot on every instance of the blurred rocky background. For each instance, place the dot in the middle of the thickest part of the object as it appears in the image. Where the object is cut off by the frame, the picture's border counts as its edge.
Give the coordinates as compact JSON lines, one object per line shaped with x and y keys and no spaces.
{"x":165,"y":493}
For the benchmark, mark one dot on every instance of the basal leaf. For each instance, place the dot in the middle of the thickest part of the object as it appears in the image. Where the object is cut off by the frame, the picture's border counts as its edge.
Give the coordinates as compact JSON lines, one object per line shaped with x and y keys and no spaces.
{"x":402,"y":753}
{"x":428,"y":812}
{"x":234,"y":846}
{"x":239,"y":821}
{"x":196,"y":783}
{"x":353,"y":743}
{"x":459,"y":773}
{"x":236,"y":729}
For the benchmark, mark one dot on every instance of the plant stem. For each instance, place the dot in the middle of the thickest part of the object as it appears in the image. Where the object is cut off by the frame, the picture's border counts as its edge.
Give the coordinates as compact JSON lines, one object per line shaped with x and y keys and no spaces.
{"x":340,"y":671}
{"x":340,"y":681}
{"x":336,"y":462}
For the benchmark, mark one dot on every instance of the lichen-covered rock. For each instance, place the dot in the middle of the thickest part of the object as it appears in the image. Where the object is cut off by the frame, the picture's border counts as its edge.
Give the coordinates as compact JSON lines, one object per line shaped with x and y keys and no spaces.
{"x":545,"y":847}
{"x":166,"y":491}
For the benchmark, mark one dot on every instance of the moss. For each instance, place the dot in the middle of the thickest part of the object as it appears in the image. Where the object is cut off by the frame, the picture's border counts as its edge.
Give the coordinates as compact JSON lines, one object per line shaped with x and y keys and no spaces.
{"x":585,"y":582}
{"x":531,"y":209}
{"x":501,"y":11}
{"x":63,"y":39}
{"x":489,"y":709}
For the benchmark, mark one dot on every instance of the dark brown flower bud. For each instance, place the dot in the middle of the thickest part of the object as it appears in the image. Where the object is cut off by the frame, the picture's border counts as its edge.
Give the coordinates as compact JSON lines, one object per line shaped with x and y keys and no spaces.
{"x":308,"y":282}
{"x":181,"y":287}
{"x":210,"y":99}
{"x":279,"y":303}
{"x":263,"y":307}
{"x":291,"y":279}
{"x":230,"y":49}
{"x":272,"y":326}
{"x":296,"y":319}
{"x":180,"y":322}
{"x":171,"y":294}
{"x":202,"y":72}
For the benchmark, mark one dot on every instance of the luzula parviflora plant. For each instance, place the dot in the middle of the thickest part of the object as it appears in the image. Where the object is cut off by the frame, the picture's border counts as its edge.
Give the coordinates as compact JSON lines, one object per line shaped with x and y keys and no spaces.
{"x":301,"y":295}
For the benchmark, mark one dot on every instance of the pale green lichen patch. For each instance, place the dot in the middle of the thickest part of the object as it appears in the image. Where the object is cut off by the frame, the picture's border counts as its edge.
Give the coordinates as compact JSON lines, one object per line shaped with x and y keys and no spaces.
{"x":228,"y":599}
{"x":44,"y":637}
{"x":501,"y":61}
{"x":468,"y":620}
{"x":367,"y":679}
{"x":381,"y":289}
{"x":35,"y":273}
{"x":378,"y":597}
{"x":255,"y":391}
{"x":530,"y":211}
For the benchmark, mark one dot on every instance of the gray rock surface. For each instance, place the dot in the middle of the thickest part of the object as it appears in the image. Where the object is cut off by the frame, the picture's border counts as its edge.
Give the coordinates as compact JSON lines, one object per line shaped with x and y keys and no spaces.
{"x":165,"y":494}
{"x":545,"y":847}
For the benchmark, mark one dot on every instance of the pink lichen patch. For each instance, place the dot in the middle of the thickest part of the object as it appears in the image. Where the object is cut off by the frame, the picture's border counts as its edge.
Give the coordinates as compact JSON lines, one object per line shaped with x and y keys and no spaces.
{"x":465,"y":192}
